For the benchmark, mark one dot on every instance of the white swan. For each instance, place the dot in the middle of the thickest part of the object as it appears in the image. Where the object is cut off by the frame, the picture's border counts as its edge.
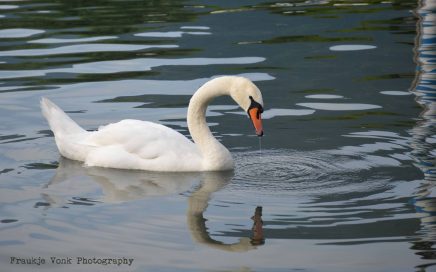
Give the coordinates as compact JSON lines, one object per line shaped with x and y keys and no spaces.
{"x":135,"y":144}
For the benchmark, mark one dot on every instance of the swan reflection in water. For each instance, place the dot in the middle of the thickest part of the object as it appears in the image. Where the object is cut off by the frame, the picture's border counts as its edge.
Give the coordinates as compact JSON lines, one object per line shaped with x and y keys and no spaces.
{"x":119,"y":186}
{"x":198,"y":203}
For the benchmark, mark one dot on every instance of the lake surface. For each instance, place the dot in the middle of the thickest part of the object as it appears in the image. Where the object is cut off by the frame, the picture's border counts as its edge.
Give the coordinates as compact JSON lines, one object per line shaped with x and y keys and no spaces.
{"x":342,"y":180}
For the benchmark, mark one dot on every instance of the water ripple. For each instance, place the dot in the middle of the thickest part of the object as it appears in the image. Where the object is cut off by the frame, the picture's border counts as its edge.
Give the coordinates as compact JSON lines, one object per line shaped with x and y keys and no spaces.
{"x":77,"y":40}
{"x":292,"y":170}
{"x":170,"y":34}
{"x":352,"y":47}
{"x":129,"y":65}
{"x":19,"y":32}
{"x":81,"y":48}
{"x":324,"y":96}
{"x":339,"y":106}
{"x":7,"y":7}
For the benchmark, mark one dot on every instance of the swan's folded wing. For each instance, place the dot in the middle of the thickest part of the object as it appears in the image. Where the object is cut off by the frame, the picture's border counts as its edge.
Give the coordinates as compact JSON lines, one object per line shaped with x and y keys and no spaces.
{"x":140,"y":141}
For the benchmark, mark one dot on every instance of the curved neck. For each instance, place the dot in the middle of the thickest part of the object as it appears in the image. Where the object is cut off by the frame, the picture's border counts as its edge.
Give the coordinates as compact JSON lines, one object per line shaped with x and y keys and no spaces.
{"x":215,"y":155}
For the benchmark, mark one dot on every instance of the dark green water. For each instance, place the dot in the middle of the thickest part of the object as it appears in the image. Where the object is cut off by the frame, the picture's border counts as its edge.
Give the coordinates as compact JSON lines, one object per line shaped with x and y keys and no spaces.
{"x":346,"y":170}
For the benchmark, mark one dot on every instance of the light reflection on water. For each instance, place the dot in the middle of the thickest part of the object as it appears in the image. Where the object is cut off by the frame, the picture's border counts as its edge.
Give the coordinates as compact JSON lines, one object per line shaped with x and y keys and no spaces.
{"x":81,"y":48}
{"x":344,"y":180}
{"x":423,"y":134}
{"x":19,"y":32}
{"x":144,"y":64}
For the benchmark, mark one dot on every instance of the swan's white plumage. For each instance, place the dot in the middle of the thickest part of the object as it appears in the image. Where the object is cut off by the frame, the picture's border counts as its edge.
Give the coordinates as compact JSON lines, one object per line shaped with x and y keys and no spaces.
{"x":135,"y":144}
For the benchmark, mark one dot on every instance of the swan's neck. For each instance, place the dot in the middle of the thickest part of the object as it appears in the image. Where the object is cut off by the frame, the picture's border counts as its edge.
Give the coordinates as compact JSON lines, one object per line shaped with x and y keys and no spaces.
{"x":215,"y":155}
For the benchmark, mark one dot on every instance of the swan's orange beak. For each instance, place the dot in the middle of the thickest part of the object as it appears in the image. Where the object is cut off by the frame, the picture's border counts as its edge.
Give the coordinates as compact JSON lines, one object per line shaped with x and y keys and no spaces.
{"x":255,"y":116}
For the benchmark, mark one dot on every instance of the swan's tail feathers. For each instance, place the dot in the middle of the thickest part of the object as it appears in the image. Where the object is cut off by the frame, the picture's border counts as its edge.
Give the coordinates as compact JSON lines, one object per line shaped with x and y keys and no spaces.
{"x":58,"y":120}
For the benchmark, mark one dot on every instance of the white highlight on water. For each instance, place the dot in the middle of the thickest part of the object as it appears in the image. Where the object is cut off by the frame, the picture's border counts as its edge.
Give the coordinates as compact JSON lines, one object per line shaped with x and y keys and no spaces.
{"x":398,"y":93}
{"x":351,"y":47}
{"x":324,"y":96}
{"x":339,"y":106}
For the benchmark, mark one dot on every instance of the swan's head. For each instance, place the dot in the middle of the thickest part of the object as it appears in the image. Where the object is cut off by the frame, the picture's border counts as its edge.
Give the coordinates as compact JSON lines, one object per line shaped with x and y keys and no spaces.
{"x":249,"y":98}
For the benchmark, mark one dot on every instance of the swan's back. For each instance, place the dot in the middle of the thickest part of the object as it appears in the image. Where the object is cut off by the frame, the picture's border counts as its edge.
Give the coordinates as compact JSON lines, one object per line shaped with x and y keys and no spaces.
{"x":135,"y":144}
